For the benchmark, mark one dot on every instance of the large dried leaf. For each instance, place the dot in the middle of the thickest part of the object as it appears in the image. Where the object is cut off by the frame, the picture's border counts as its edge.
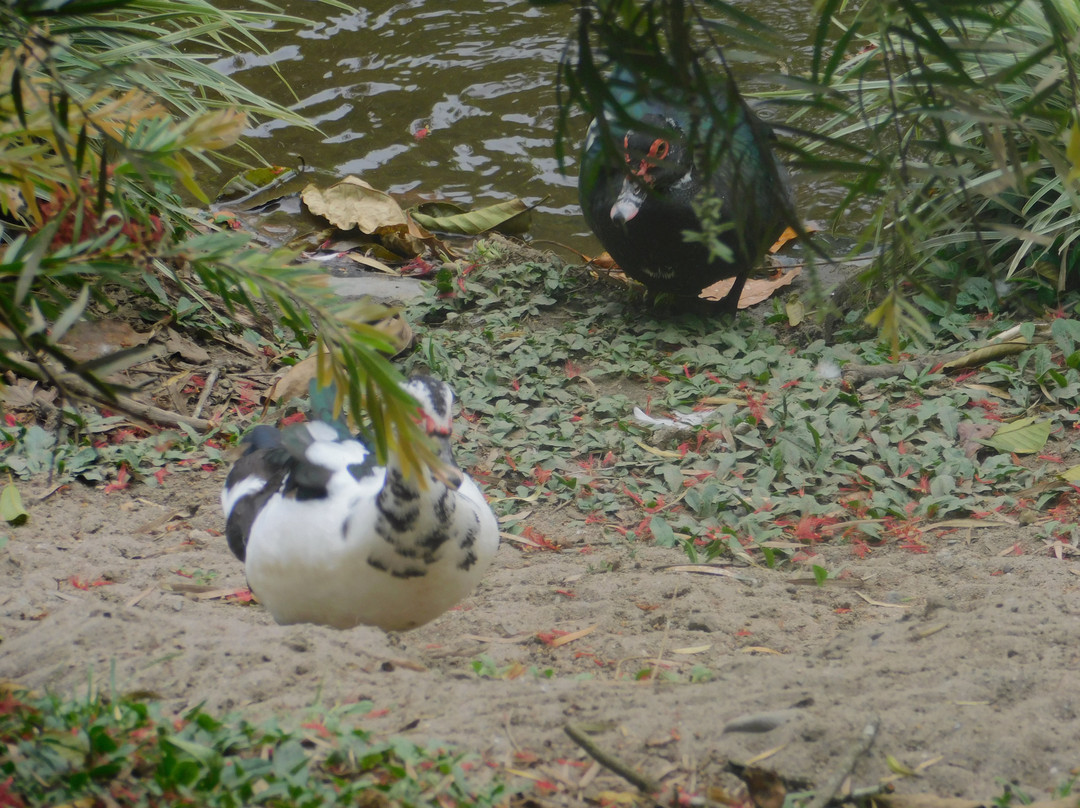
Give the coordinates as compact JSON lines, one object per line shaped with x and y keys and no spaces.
{"x":789,"y":234}
{"x":353,"y":203}
{"x":1023,"y":436}
{"x":755,"y":290}
{"x":93,"y":339}
{"x":11,"y":506}
{"x":370,"y":263}
{"x":795,"y":311}
{"x":296,"y":381}
{"x":214,"y":130}
{"x":510,"y":218}
{"x":406,"y":239}
{"x":1071,"y":474}
{"x":988,"y":353}
{"x":189,"y":350}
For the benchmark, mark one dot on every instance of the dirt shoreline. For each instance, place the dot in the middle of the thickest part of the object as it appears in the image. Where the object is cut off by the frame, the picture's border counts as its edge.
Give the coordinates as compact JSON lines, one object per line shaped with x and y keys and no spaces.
{"x":963,"y":655}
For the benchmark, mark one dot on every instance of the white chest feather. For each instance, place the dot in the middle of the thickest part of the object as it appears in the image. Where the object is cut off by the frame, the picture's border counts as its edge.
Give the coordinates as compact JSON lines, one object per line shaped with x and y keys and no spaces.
{"x":357,"y":558}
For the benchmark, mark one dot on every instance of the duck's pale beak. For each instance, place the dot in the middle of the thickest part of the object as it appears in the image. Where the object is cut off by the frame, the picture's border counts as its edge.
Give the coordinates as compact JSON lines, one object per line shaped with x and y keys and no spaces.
{"x":629,"y":201}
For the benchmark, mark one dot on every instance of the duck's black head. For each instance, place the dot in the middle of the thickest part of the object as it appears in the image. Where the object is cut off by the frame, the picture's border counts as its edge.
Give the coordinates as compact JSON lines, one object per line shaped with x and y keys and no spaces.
{"x":656,"y":153}
{"x":658,"y":161}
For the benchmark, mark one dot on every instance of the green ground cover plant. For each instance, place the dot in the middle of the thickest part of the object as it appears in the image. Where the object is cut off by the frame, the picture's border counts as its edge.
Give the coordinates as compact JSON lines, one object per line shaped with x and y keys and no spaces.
{"x":550,"y":364}
{"x":125,"y":750}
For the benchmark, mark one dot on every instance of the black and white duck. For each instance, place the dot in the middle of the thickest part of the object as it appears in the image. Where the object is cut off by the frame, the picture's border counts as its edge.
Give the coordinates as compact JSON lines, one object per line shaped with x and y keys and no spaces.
{"x":329,"y":537}
{"x":638,"y":197}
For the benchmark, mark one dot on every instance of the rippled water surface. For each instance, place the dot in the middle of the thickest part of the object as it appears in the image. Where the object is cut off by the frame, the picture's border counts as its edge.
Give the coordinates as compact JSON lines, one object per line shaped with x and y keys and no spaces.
{"x":454,"y":101}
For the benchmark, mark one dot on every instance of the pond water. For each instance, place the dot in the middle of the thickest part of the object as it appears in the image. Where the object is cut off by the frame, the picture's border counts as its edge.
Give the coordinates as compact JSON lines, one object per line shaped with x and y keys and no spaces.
{"x":450,"y":101}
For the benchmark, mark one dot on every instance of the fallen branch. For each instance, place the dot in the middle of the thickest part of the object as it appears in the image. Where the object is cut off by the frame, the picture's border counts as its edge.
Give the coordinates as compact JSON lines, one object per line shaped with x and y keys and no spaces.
{"x":824,"y":795}
{"x":612,"y":763}
{"x":129,"y":406}
{"x":1005,"y":344}
{"x":148,"y":412}
{"x":857,"y":375}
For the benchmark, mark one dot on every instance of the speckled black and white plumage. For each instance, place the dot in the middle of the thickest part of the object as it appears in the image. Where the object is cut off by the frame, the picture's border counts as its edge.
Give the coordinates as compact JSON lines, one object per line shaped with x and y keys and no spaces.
{"x":329,"y":537}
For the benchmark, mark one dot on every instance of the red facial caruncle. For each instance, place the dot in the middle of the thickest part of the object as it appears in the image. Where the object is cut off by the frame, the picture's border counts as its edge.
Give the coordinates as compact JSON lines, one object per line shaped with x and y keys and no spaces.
{"x":658,"y":151}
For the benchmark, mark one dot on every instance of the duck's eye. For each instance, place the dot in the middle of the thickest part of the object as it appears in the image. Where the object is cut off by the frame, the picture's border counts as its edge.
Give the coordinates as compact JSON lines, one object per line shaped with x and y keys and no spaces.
{"x":659,"y":149}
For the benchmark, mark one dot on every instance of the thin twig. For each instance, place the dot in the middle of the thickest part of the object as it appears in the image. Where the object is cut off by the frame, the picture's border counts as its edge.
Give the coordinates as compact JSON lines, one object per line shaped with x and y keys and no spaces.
{"x":612,"y":763}
{"x":663,"y":647}
{"x":157,"y":415}
{"x":211,"y":380}
{"x":823,"y":795}
{"x":129,"y":406}
{"x":509,"y":734}
{"x":856,"y":795}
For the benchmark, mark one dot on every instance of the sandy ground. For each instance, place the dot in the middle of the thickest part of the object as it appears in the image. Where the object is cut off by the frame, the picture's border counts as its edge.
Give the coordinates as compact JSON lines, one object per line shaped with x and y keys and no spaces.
{"x":967,"y":657}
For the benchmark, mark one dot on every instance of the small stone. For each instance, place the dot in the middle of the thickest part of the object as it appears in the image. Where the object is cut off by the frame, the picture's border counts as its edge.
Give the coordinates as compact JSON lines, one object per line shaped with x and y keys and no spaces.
{"x":298,"y":643}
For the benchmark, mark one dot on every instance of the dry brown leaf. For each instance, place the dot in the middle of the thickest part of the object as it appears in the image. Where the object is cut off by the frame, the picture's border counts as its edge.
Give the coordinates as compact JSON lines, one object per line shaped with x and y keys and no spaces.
{"x":719,"y":290}
{"x":696,"y":649}
{"x":604,"y":261}
{"x":398,"y":239}
{"x":990,"y":390}
{"x":420,"y":237}
{"x":25,"y":392}
{"x":525,"y":774}
{"x":189,"y":350}
{"x":353,"y":203}
{"x":214,"y":594}
{"x":92,"y":339}
{"x":703,"y":569}
{"x":216,"y":129}
{"x":658,"y":452}
{"x":189,"y":589}
{"x":521,"y":539}
{"x":766,"y":788}
{"x":768,"y":753}
{"x":617,"y":797}
{"x":789,"y":234}
{"x":969,"y":523}
{"x":573,"y":635}
{"x":988,"y":353}
{"x":371,"y":263}
{"x":10,"y":687}
{"x":398,"y":330}
{"x":755,"y":290}
{"x":296,"y":381}
{"x":971,"y":436}
{"x":795,"y":311}
{"x":720,"y":400}
{"x":155,"y":524}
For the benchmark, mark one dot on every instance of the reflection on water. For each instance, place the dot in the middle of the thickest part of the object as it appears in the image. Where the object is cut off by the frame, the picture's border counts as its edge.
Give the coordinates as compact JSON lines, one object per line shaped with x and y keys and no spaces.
{"x":454,"y":103}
